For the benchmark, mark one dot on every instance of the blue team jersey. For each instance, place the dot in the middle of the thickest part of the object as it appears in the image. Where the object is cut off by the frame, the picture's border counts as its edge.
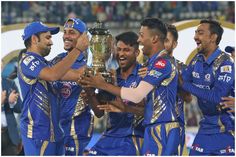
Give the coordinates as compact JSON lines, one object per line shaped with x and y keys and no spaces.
{"x":40,"y":112}
{"x":210,"y":80}
{"x":161,"y":101}
{"x":76,"y":117}
{"x":179,"y":101}
{"x":180,"y":111}
{"x":126,"y":124}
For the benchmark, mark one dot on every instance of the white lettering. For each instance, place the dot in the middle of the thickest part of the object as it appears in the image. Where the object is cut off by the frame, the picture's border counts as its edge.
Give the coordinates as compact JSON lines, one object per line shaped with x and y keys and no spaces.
{"x":195,"y":74}
{"x":224,"y":78}
{"x":71,"y":149}
{"x":93,"y":152}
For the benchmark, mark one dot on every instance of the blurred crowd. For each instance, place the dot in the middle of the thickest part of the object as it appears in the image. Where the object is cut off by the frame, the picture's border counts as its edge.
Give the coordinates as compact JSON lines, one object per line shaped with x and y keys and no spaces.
{"x":114,"y":11}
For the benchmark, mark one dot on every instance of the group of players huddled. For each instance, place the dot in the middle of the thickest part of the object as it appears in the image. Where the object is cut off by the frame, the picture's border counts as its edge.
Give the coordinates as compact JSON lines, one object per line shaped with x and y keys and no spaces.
{"x":146,"y":107}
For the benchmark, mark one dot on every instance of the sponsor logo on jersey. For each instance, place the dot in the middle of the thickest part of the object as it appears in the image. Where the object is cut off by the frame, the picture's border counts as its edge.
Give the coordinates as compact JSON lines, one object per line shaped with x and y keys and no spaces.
{"x":226,"y":69}
{"x":224,"y":78}
{"x":195,"y":74}
{"x":197,"y":148}
{"x":93,"y":152}
{"x":202,"y":86}
{"x":155,"y":73}
{"x":227,"y":150}
{"x":70,"y":149}
{"x":27,"y":60}
{"x":208,"y":77}
{"x":160,"y":64}
{"x":34,"y":65}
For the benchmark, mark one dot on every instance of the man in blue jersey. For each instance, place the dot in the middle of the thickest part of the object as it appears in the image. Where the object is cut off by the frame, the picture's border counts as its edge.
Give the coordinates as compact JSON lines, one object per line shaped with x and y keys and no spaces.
{"x":162,"y":131}
{"x":124,"y":132}
{"x":76,"y":116}
{"x":40,"y":129}
{"x":210,"y":76}
{"x":182,"y":96}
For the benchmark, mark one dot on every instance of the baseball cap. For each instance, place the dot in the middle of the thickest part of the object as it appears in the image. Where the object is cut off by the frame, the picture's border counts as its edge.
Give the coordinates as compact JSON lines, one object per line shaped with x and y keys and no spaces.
{"x":229,"y":49}
{"x":37,"y":27}
{"x":76,"y":24}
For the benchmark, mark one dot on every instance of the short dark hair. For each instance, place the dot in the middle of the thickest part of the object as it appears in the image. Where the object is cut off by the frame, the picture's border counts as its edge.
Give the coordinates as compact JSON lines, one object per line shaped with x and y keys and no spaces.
{"x":28,"y":41}
{"x":215,"y":28}
{"x":157,"y":25}
{"x":172,"y":29}
{"x":129,"y":38}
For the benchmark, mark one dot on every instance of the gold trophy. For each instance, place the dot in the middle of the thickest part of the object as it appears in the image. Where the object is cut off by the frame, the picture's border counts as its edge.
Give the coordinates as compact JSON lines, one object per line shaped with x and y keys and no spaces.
{"x":100,"y":47}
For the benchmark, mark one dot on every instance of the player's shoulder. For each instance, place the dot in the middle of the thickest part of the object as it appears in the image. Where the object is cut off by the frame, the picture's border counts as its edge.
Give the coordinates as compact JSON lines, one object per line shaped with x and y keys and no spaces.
{"x":28,"y":58}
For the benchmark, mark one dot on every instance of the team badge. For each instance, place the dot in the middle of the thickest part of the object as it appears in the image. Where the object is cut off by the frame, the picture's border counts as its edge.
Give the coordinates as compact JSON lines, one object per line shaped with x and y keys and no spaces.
{"x":66,"y":90}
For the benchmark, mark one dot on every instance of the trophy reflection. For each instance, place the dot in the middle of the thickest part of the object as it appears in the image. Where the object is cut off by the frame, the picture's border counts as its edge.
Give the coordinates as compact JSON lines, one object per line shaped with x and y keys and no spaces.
{"x":101,"y":48}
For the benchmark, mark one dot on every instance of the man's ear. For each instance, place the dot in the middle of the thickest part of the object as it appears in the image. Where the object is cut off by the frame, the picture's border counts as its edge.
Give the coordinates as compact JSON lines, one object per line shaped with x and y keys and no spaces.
{"x":34,"y":39}
{"x":137,"y":52}
{"x":213,"y":38}
{"x":175,"y":44}
{"x":155,"y":39}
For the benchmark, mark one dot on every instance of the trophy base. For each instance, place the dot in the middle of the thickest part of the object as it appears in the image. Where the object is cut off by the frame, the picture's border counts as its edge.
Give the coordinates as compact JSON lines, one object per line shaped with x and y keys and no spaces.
{"x":102,"y":96}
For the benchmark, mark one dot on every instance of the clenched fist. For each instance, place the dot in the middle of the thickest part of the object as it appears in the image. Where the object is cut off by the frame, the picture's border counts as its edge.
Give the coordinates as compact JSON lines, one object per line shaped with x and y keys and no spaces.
{"x":82,"y":42}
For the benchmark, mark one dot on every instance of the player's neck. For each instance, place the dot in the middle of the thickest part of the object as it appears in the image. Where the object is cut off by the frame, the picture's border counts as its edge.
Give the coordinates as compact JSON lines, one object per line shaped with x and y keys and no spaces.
{"x":209,"y":51}
{"x":126,"y":72}
{"x":34,"y":50}
{"x":157,"y":49}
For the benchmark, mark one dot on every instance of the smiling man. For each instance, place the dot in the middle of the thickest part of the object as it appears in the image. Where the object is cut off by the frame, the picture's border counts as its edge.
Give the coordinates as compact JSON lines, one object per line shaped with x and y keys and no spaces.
{"x":210,"y":76}
{"x":159,"y":87}
{"x":39,"y":123}
{"x":76,"y":116}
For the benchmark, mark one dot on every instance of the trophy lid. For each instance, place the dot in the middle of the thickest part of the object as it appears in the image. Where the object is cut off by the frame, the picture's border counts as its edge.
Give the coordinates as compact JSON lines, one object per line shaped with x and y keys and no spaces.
{"x":99,"y":29}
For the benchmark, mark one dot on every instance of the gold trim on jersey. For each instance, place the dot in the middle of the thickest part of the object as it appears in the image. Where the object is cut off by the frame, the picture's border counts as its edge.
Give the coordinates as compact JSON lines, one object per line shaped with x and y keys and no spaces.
{"x":44,"y":105}
{"x":136,"y":145}
{"x":76,"y":140}
{"x":167,"y":81}
{"x":52,"y":136}
{"x":72,"y":128}
{"x":43,"y":147}
{"x":91,"y":125}
{"x":24,"y":78}
{"x":44,"y":83}
{"x":158,"y":131}
{"x":222,"y":127}
{"x":158,"y":106}
{"x":232,"y":133}
{"x":170,"y":126}
{"x":141,"y":142}
{"x":79,"y":107}
{"x":30,"y":125}
{"x":157,"y":142}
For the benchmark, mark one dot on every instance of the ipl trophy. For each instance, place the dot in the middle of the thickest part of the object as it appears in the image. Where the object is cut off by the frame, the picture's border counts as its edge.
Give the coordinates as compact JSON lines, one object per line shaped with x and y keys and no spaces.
{"x":100,"y":48}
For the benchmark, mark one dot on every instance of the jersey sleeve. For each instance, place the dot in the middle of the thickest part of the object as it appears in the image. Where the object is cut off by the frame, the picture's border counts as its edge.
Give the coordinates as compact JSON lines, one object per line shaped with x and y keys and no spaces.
{"x":31,"y":66}
{"x":157,"y":72}
{"x":224,"y":80}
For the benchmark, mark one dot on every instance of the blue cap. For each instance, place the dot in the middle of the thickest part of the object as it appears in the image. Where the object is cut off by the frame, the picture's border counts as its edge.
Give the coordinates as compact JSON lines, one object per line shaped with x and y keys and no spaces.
{"x":77,"y":24}
{"x":229,"y":49}
{"x":38,"y":27}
